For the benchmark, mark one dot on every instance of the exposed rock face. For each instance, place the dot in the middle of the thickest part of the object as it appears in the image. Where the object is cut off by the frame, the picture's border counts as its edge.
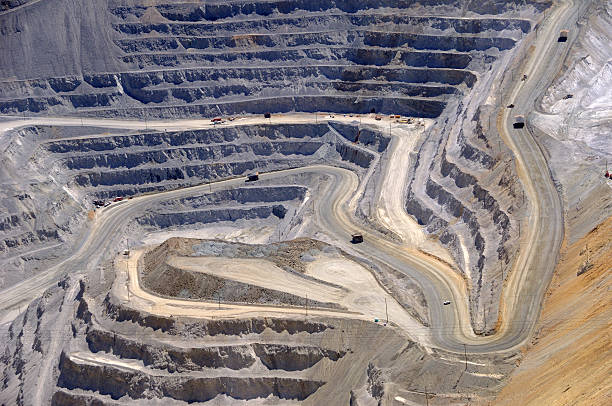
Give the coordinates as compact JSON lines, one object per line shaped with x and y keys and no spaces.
{"x":158,"y":59}
{"x":170,"y":358}
{"x":169,"y":281}
{"x":113,"y":355}
{"x":164,"y":59}
{"x":117,"y":383}
{"x":83,"y":45}
{"x":573,"y":122}
{"x":152,"y":59}
{"x":67,"y":168}
{"x":465,"y":192}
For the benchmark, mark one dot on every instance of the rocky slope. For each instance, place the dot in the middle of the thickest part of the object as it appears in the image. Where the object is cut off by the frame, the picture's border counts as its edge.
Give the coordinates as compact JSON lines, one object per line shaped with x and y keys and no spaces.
{"x":152,"y":59}
{"x":68,"y":168}
{"x":81,"y":344}
{"x":568,"y":357}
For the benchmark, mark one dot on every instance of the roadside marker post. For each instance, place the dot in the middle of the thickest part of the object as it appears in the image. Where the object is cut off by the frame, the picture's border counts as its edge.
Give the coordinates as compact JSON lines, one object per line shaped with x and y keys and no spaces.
{"x":386,"y":311}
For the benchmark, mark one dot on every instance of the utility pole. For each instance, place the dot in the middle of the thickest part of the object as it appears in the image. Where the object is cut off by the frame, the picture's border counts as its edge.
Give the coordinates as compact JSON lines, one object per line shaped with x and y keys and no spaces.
{"x":465,"y":354}
{"x":306,"y":305}
{"x":386,"y":311}
{"x":427,"y":396}
{"x":587,"y":253}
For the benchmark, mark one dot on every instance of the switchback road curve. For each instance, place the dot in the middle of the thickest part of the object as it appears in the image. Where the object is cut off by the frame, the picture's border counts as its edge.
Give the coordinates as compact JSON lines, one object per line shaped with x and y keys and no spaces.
{"x":450,"y":326}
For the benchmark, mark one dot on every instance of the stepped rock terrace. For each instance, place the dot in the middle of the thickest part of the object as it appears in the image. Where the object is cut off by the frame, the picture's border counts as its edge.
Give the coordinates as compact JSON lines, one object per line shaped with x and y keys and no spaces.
{"x":187,"y":59}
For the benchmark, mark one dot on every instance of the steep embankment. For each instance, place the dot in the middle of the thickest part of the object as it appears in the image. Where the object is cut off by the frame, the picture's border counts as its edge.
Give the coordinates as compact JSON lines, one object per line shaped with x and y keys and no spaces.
{"x":64,"y":168}
{"x":568,"y":362}
{"x":54,"y":38}
{"x":162,"y":58}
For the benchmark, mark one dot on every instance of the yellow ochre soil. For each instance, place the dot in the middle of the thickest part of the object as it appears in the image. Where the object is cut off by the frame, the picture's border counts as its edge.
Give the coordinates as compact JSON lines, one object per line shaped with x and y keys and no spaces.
{"x":569,"y":362}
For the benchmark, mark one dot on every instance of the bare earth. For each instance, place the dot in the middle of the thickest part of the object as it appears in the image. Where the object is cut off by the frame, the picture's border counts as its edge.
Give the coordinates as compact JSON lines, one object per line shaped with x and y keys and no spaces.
{"x":568,"y":363}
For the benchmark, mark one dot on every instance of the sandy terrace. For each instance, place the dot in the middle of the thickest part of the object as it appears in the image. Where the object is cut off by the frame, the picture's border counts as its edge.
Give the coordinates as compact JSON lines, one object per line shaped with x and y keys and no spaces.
{"x":362,"y":296}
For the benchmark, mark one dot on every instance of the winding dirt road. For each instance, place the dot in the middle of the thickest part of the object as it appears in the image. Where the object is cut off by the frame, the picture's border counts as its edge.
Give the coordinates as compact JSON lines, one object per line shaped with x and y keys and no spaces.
{"x":450,"y":325}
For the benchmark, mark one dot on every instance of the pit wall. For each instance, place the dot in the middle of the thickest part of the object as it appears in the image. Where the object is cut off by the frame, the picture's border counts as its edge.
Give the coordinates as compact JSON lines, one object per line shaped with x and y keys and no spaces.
{"x":72,"y":167}
{"x":117,"y":383}
{"x":234,"y":357}
{"x":465,"y":192}
{"x":138,"y":163}
{"x":310,"y":56}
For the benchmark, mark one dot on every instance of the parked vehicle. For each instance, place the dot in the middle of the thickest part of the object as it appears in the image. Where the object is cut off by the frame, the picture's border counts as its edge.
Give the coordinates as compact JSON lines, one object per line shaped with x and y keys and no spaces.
{"x":253,"y":177}
{"x":519,"y":122}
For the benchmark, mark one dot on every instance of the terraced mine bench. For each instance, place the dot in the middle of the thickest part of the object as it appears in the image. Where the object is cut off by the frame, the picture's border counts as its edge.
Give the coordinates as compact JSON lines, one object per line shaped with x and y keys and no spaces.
{"x":191,"y":60}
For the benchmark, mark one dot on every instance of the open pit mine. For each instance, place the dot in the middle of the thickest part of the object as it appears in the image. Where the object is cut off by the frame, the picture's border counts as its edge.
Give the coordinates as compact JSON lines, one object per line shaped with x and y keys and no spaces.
{"x":318,"y":202}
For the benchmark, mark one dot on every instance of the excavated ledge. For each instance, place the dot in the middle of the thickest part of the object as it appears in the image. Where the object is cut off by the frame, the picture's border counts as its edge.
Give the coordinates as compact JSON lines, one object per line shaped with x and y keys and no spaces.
{"x":188,"y":137}
{"x":117,"y":383}
{"x":170,"y":358}
{"x":235,"y":357}
{"x":293,"y":358}
{"x":437,"y":42}
{"x":63,"y":397}
{"x":202,"y":328}
{"x":162,"y":279}
{"x":214,"y":12}
{"x":372,"y":18}
{"x":129,"y":164}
